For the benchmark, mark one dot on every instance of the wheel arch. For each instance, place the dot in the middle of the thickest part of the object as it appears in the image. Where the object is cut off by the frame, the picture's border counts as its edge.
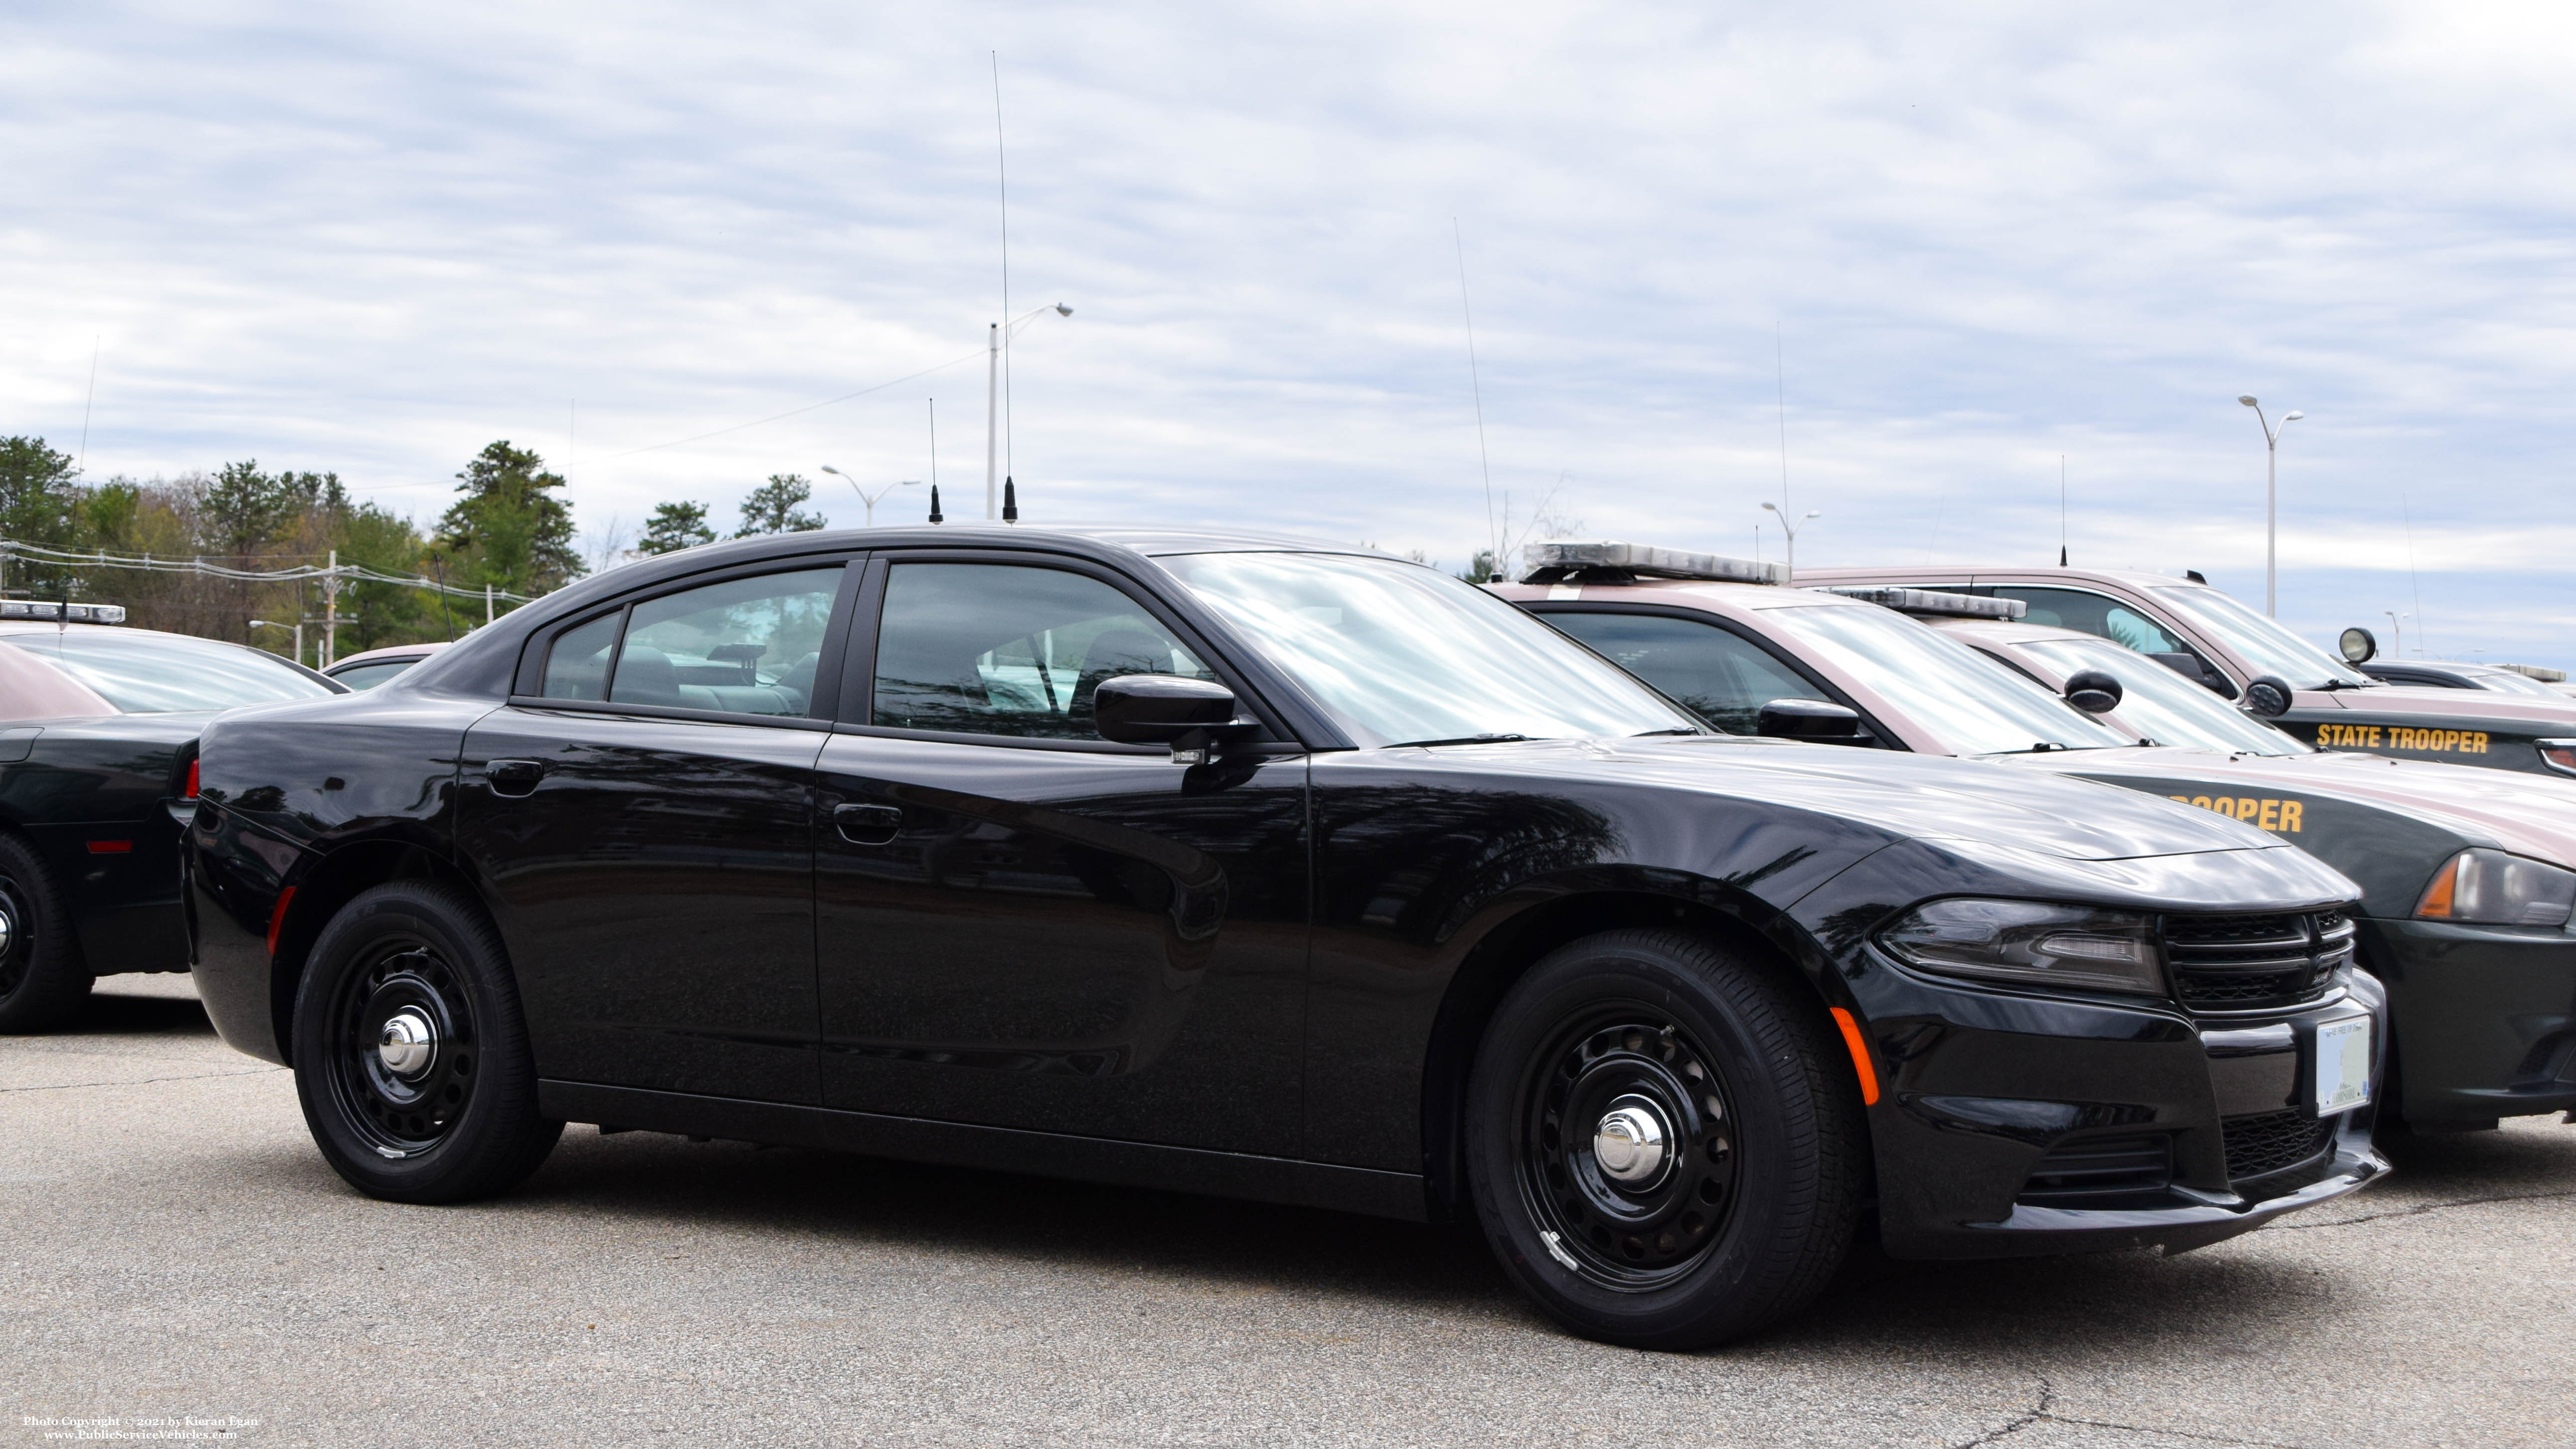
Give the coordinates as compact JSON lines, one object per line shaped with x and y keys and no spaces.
{"x":330,"y":882}
{"x":1510,"y":947}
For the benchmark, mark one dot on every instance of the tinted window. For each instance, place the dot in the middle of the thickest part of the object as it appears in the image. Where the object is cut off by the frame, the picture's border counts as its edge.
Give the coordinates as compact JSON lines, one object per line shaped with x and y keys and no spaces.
{"x":1724,"y":678}
{"x":1001,"y":649}
{"x":368,"y":676}
{"x":744,"y":646}
{"x":577,"y":665}
{"x":2094,"y":614}
{"x":1411,"y":654}
{"x":164,"y":673}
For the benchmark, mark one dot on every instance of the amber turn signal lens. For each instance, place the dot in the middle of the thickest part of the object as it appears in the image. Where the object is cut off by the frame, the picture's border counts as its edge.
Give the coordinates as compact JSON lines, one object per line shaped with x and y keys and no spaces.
{"x":2436,"y":905}
{"x":1859,"y":1047}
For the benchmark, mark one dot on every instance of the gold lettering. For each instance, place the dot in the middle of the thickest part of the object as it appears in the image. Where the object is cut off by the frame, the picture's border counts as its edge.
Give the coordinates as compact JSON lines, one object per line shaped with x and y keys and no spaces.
{"x":2290,"y":812}
{"x":2270,"y":819}
{"x":2202,"y":801}
{"x":2481,"y":738}
{"x":2246,"y":805}
{"x":2374,"y":737}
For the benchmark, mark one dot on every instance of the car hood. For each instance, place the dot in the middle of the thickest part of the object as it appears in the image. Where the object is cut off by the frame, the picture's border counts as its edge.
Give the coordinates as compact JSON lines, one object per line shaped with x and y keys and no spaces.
{"x":1925,"y":797}
{"x":2452,"y":708}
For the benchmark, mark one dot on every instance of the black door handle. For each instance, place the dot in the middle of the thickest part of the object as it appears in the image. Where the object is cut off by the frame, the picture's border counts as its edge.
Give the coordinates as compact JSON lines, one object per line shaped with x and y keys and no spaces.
{"x":514,"y":777}
{"x":867,"y":824}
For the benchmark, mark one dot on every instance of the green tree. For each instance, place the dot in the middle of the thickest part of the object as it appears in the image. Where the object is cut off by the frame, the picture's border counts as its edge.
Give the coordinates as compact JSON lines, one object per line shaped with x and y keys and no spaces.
{"x":1482,"y":571}
{"x":39,"y":504}
{"x":771,"y":507}
{"x":675,"y":526}
{"x":374,"y":615}
{"x":243,"y":511}
{"x":509,"y":530}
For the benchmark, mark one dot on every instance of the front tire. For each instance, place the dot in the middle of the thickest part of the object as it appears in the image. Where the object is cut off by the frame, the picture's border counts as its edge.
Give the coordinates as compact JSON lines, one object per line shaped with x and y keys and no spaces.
{"x":411,"y":1056}
{"x":43,"y":979}
{"x":1659,"y":1146}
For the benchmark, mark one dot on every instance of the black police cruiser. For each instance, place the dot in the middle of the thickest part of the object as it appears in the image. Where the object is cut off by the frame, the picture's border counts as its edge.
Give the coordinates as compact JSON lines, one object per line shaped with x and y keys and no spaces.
{"x":1235,"y":865}
{"x":98,"y":726}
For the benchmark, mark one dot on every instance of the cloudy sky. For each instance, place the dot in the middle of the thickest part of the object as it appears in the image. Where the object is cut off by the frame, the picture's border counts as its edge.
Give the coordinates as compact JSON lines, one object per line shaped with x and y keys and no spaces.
{"x":1934,"y":250}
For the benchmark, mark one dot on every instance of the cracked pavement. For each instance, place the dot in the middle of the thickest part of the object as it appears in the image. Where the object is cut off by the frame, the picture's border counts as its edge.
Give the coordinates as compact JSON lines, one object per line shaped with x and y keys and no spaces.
{"x":174,"y":1246}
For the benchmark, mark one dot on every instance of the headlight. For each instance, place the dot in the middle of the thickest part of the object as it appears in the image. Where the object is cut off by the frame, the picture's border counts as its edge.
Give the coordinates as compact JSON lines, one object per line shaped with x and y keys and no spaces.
{"x":2498,"y":889}
{"x":2074,"y":947}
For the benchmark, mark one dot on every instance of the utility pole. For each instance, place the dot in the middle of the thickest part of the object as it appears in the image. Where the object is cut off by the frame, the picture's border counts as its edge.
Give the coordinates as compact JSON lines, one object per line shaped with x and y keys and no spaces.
{"x":487,"y":603}
{"x":992,"y":424}
{"x":331,"y":613}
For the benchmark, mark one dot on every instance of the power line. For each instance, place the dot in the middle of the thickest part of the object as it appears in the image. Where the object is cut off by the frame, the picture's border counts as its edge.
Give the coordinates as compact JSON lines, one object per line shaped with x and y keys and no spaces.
{"x":795,"y":412}
{"x":350,"y":573}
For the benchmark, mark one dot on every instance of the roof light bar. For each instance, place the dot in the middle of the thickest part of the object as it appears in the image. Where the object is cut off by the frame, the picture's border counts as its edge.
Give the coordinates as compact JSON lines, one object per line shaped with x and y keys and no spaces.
{"x":1557,"y":558}
{"x":2541,"y":672}
{"x":1930,"y":601}
{"x":57,"y":609}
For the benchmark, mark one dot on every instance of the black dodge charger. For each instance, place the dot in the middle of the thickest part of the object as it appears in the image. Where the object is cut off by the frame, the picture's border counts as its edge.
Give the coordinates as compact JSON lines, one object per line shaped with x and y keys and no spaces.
{"x":1249,"y":867}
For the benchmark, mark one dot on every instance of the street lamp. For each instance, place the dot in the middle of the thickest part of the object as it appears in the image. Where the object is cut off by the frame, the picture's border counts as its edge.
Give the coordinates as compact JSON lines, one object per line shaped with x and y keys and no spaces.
{"x":299,"y":634}
{"x":992,"y":385}
{"x":863,"y":493}
{"x":2271,"y":493}
{"x":1790,"y":531}
{"x":2397,"y":630}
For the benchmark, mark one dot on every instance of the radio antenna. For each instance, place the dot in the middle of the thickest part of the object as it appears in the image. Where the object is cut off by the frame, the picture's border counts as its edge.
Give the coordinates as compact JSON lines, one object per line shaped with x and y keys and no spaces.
{"x":1002,"y":179}
{"x":1493,"y":538}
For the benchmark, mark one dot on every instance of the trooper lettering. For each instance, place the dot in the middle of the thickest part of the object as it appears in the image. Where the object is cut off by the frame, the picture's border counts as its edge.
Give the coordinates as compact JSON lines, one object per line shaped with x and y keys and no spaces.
{"x":2281,"y":817}
{"x":2401,"y":737}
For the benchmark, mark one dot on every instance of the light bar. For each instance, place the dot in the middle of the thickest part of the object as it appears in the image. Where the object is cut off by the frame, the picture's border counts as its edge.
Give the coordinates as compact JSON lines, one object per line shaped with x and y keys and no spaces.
{"x":1541,"y":562}
{"x":1930,"y":601}
{"x":2541,"y":672}
{"x":57,"y":609}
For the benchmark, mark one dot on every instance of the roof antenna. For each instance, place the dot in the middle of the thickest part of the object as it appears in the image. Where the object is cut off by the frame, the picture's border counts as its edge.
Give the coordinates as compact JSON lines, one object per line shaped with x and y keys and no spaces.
{"x":934,"y":505}
{"x":2194,"y":576}
{"x":1010,"y":502}
{"x":2061,"y":510}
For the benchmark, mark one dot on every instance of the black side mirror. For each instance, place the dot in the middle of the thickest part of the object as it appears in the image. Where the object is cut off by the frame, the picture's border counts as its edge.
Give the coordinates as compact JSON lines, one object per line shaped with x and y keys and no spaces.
{"x":1807,"y":719}
{"x":2094,"y":691}
{"x":2268,"y":696}
{"x":2196,"y":669}
{"x":1157,"y":709}
{"x":2359,"y":646}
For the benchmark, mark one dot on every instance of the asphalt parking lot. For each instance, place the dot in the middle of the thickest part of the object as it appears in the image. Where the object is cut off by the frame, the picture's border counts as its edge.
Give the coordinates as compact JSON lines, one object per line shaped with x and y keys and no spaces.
{"x":175,"y":1248}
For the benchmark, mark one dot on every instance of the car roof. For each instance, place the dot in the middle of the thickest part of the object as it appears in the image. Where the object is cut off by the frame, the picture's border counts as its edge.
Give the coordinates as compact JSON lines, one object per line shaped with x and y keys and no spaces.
{"x":2134,"y":578}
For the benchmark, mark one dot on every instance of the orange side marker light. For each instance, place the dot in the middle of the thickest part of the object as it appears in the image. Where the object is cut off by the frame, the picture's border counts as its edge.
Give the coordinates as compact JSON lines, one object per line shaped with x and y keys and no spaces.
{"x":2436,"y":904}
{"x":1859,"y":1055}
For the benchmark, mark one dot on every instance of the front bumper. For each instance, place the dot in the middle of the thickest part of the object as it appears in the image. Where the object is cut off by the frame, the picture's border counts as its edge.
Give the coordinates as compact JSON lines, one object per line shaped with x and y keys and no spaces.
{"x":2485,"y":1018}
{"x":2017,"y":1125}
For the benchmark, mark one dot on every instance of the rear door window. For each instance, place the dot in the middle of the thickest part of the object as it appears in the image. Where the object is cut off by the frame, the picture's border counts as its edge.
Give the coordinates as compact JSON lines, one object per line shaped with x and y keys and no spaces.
{"x":2095,"y":614}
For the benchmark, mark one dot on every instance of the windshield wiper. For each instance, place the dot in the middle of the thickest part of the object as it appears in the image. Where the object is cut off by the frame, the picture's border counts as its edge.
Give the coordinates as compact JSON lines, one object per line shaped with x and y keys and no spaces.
{"x":2335,"y":684}
{"x":1675,"y":730}
{"x":1458,"y":740}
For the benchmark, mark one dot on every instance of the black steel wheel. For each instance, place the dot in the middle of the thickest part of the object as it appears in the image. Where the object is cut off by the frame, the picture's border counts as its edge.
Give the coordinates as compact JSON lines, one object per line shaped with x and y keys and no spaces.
{"x":410,"y":1055}
{"x":43,"y":979}
{"x":1663,"y":1146}
{"x":1627,"y":1145}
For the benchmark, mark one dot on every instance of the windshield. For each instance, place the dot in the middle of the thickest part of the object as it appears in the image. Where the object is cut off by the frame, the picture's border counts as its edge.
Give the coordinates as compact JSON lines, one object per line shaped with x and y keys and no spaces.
{"x":166,"y":673}
{"x":1411,"y":655}
{"x":2261,"y":642}
{"x":1975,"y":706}
{"x":2162,"y":705}
{"x":2508,"y":682}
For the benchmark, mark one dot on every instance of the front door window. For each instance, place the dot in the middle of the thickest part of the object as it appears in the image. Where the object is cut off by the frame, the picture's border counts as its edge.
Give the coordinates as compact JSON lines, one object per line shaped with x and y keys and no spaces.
{"x":994,"y":649}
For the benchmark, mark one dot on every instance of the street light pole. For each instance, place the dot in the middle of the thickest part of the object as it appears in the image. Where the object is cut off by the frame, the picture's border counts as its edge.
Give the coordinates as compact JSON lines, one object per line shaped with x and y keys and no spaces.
{"x":2271,"y":496}
{"x":1789,"y":531}
{"x":297,"y":626}
{"x":864,"y":496}
{"x":2396,"y":629}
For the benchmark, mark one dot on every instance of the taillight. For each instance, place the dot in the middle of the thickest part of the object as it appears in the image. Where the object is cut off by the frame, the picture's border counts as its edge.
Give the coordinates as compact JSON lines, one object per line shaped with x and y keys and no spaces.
{"x":192,"y":780}
{"x":2559,"y":755}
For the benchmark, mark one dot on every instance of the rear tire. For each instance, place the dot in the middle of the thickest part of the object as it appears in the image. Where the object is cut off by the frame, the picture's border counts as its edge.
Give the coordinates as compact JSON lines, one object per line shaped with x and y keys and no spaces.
{"x":1628,"y":1039}
{"x":43,"y":979}
{"x":411,"y":1056}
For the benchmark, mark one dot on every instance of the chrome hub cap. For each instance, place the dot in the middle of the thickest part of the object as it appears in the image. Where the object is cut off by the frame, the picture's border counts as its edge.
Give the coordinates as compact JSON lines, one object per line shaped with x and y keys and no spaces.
{"x":1630,"y":1143}
{"x":407,"y":1043}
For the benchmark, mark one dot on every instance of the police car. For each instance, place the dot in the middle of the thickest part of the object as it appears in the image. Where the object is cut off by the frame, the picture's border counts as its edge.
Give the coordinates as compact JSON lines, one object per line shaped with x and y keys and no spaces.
{"x":2468,"y":875}
{"x":98,"y":731}
{"x":1269,"y":869}
{"x":2242,"y":655}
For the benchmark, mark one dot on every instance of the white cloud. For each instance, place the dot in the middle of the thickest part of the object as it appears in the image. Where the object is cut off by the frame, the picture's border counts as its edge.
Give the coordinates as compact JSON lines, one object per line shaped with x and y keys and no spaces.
{"x":375,"y":238}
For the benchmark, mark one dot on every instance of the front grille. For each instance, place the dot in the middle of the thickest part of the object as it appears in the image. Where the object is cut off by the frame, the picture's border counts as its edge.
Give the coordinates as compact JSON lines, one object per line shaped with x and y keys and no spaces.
{"x":2275,"y":1142}
{"x":2101,"y":1167}
{"x":2255,"y":963}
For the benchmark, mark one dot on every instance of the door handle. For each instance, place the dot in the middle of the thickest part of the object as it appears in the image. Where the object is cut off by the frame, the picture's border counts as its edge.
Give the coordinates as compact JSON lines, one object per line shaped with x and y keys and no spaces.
{"x":514,"y":777}
{"x":868,"y":824}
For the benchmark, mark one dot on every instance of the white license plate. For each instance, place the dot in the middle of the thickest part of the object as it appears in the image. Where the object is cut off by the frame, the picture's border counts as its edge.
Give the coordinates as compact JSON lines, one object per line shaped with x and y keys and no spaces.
{"x":2343,"y":1065}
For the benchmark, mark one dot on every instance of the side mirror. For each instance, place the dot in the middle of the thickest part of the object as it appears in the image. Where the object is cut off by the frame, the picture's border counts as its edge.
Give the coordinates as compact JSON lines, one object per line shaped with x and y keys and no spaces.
{"x":1807,"y":719}
{"x":2094,"y":691}
{"x":1157,"y":709}
{"x":2359,"y":646}
{"x":2268,"y":696}
{"x":2196,"y":669}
